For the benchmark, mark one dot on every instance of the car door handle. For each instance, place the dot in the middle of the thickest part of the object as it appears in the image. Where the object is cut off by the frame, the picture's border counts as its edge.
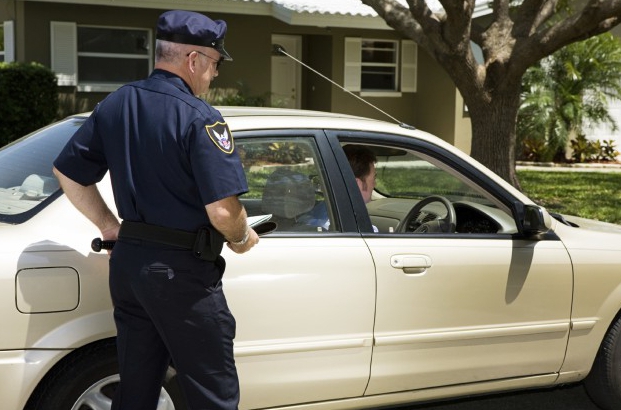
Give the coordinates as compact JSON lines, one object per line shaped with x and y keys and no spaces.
{"x":411,"y":264}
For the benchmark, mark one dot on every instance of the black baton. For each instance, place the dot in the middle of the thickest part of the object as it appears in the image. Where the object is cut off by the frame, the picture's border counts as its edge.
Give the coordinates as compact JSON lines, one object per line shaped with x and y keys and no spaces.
{"x":97,"y":244}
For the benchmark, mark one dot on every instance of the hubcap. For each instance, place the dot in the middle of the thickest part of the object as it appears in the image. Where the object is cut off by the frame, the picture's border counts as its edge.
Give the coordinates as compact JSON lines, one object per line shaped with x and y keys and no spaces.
{"x":99,"y":396}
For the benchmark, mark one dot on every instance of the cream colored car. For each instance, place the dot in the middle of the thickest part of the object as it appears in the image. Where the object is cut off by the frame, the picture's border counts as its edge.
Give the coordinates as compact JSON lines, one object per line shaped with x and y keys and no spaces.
{"x":467,"y":288}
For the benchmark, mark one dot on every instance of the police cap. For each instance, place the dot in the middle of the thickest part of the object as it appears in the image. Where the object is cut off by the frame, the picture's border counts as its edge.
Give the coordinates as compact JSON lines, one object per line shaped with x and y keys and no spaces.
{"x":188,"y":27}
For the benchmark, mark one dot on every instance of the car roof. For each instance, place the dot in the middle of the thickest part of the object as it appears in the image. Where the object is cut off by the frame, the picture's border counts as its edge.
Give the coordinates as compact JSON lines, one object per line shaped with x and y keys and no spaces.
{"x":251,"y":111}
{"x":244,"y":111}
{"x":241,"y":118}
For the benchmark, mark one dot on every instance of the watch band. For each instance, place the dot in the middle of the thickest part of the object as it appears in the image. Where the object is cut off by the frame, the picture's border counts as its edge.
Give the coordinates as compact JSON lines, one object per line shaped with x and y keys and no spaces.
{"x":244,"y":239}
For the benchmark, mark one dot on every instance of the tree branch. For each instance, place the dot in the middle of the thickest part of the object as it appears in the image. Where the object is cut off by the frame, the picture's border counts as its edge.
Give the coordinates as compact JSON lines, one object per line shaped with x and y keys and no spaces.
{"x":398,"y":17}
{"x":501,"y":9}
{"x":425,"y":17}
{"x":532,"y":14}
{"x":597,"y":17}
{"x":456,"y":26}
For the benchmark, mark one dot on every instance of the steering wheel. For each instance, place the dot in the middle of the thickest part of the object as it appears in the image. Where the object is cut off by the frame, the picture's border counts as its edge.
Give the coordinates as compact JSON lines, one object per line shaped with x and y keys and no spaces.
{"x":443,"y":225}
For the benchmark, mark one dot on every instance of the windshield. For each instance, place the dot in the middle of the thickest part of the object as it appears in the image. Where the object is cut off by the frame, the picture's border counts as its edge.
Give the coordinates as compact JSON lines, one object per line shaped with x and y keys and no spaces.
{"x":26,"y":180}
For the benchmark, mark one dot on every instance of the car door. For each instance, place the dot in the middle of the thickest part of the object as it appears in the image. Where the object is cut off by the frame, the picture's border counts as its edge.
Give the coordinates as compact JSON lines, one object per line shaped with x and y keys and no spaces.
{"x":478,"y":304}
{"x":304,"y":297}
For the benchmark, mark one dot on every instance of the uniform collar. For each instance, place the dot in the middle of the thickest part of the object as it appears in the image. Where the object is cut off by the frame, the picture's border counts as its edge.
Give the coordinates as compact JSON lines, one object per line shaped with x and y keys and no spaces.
{"x":160,"y":74}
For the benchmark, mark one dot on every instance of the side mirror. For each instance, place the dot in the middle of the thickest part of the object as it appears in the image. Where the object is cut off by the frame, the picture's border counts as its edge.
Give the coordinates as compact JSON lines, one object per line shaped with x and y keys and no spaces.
{"x":535,"y":220}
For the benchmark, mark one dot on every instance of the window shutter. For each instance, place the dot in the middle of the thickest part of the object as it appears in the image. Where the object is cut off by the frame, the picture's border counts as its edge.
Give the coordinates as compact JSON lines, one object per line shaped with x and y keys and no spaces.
{"x":353,"y":64}
{"x":9,"y":42}
{"x":409,"y":63}
{"x":64,"y":52}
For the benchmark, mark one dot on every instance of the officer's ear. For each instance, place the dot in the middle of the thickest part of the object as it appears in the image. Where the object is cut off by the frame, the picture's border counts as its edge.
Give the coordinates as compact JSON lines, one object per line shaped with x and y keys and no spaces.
{"x":191,"y":60}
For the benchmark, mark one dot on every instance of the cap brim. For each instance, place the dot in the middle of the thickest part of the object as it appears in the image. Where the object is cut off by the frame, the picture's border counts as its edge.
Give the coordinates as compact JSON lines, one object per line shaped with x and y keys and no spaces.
{"x":226,"y":56}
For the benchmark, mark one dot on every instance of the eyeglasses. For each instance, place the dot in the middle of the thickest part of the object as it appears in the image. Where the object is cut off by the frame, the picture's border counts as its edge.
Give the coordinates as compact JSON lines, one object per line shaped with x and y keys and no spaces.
{"x":218,"y":61}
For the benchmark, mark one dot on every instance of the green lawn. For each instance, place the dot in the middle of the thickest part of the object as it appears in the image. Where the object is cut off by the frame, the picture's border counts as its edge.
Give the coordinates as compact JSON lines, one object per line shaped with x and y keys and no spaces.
{"x":594,"y":195}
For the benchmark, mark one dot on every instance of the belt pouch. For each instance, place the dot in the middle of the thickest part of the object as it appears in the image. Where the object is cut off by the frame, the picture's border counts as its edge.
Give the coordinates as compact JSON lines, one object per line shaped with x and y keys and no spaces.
{"x":208,"y":244}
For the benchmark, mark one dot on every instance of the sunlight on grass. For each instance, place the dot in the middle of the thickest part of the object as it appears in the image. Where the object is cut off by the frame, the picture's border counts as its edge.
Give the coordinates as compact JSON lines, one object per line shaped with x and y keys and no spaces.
{"x":594,"y":195}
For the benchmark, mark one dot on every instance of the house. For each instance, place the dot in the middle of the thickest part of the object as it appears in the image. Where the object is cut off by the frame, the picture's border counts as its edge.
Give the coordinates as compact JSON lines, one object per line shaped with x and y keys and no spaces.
{"x":94,"y":46}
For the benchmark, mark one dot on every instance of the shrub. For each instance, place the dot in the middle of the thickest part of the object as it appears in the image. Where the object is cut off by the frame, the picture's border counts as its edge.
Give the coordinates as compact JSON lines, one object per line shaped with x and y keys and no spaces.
{"x":234,"y":96}
{"x":609,"y":151}
{"x":585,"y":150}
{"x":533,"y":149}
{"x":29,"y":99}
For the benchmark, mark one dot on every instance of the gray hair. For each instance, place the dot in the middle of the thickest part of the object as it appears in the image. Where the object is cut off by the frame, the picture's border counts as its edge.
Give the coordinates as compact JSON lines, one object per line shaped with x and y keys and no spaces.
{"x":169,"y":52}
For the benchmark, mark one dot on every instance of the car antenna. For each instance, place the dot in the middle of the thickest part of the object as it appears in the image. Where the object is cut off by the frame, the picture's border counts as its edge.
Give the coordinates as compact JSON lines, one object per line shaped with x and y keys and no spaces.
{"x":402,"y":124}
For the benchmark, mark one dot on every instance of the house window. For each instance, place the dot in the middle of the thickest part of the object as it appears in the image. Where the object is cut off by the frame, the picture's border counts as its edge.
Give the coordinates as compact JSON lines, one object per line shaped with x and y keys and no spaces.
{"x":99,"y":58}
{"x":380,"y":67}
{"x":112,"y":55}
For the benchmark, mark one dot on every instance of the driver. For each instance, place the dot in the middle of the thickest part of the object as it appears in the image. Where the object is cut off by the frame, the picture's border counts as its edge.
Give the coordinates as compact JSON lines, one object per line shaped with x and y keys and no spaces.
{"x":362,"y":161}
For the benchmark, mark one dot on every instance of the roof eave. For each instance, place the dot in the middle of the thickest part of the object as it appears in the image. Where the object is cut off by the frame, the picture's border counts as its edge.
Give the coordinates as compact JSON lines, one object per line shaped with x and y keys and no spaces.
{"x":295,"y":18}
{"x":221,"y":6}
{"x":259,"y":8}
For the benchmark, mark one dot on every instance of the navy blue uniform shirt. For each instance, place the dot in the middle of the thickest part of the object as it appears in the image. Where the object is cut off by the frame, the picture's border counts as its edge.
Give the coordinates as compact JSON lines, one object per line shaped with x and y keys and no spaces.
{"x":168,"y":152}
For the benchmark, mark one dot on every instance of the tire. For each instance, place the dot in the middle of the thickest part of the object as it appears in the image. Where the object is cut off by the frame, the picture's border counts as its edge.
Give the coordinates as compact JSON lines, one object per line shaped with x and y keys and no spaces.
{"x":603,"y":384}
{"x":87,"y":380}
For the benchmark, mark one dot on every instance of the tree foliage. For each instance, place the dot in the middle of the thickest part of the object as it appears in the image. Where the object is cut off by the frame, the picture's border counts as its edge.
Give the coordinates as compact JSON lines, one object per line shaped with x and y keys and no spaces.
{"x":568,"y":91}
{"x":513,"y":35}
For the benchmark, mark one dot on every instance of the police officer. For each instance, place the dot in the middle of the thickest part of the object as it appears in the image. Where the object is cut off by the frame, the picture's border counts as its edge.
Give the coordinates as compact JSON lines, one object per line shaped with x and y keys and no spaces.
{"x":176,"y":178}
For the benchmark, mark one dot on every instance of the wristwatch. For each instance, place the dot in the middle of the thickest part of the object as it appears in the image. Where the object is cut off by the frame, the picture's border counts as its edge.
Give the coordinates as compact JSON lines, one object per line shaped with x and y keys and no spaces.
{"x":243,"y":241}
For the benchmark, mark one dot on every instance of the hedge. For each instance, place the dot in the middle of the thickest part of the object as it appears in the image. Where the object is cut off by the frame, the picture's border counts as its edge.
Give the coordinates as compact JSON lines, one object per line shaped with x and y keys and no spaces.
{"x":28,"y":99}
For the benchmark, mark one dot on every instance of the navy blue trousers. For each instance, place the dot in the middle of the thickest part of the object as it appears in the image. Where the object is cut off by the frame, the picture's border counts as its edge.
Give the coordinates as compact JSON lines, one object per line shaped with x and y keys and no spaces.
{"x":169,"y":305}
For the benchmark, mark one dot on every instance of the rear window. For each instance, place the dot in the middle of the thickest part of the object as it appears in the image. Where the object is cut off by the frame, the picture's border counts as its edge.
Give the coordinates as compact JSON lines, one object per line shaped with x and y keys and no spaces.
{"x":27,"y":184}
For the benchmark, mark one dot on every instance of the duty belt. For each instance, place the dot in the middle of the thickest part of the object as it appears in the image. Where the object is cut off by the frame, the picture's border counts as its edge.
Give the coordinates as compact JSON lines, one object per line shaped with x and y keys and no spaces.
{"x":205,"y":244}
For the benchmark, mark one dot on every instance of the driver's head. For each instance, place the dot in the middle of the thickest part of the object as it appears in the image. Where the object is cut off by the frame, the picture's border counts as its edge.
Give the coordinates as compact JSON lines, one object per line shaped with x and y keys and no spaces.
{"x":362,"y":161}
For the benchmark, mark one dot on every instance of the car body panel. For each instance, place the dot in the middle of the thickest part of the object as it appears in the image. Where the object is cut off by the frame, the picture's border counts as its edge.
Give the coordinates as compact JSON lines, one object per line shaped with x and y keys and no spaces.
{"x":66,"y":243}
{"x":483,"y":309}
{"x":324,"y":321}
{"x":21,"y":371}
{"x":344,"y":318}
{"x":596,"y":259}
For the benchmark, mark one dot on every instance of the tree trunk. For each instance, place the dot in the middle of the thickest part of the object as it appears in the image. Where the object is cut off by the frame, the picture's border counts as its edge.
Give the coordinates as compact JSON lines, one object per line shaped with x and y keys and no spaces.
{"x":494,"y":134}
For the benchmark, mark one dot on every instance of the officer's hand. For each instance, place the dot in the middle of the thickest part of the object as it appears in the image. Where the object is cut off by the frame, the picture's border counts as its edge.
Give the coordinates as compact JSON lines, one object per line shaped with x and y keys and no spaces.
{"x":253,"y":239}
{"x":111,"y":233}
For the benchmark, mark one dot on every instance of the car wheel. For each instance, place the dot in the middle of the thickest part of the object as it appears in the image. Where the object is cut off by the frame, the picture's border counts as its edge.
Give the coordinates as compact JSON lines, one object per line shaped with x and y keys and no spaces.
{"x":603,"y":384}
{"x":87,"y":380}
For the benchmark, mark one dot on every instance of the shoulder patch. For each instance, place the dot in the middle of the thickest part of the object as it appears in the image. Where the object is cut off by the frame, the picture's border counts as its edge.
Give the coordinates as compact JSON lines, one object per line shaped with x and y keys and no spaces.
{"x":220,"y":134}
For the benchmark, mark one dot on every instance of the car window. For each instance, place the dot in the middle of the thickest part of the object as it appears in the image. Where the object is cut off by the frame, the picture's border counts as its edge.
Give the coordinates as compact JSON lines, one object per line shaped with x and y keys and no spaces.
{"x":285,"y":180}
{"x":410,"y":175}
{"x":405,"y":177}
{"x":26,"y":179}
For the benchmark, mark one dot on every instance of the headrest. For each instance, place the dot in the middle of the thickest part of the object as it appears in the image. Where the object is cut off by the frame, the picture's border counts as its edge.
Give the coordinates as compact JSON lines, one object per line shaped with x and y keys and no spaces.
{"x":288,"y":194}
{"x":37,"y":186}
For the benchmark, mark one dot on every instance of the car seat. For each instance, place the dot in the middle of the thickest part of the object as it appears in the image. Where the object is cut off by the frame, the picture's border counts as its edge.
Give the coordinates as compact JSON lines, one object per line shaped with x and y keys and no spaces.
{"x":287,"y":195}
